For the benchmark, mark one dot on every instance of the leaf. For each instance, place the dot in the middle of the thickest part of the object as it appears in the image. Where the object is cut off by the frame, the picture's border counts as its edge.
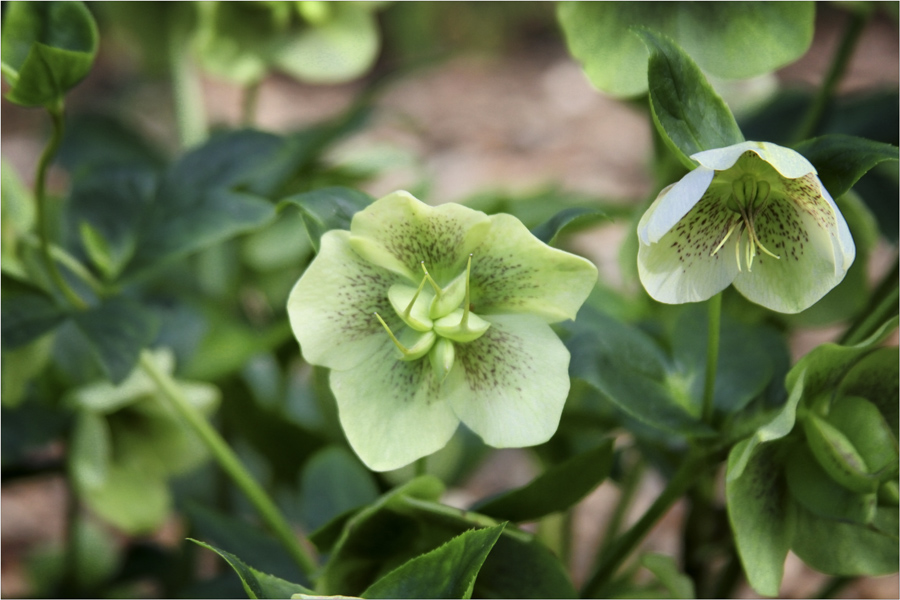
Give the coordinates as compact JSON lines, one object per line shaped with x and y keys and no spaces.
{"x":334,"y":482}
{"x":762,"y":516}
{"x":560,"y":487}
{"x":875,"y":377}
{"x":676,"y":583}
{"x":688,"y":113}
{"x":576,"y":216}
{"x":842,"y":159}
{"x":118,"y":330}
{"x":446,"y":572}
{"x":47,"y":48}
{"x":28,"y":312}
{"x":256,"y":583}
{"x":327,"y":209}
{"x":727,"y":39}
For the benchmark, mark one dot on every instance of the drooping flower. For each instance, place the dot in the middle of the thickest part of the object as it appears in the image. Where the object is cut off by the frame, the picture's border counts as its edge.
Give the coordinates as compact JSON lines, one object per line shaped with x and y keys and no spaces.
{"x":432,"y":316}
{"x":753,"y":214}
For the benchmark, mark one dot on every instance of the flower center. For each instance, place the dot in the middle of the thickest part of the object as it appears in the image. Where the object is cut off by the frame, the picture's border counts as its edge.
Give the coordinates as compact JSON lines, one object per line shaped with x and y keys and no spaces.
{"x":435,"y":318}
{"x":749,"y":198}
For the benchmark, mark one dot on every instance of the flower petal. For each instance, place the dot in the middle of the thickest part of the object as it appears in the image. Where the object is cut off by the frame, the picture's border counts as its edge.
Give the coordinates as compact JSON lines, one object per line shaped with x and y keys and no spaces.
{"x":813,"y":243}
{"x":509,"y":386}
{"x":391,"y":410}
{"x":514,"y":272}
{"x":681,"y":266}
{"x":672,"y":204}
{"x":787,"y":162}
{"x":331,"y":307}
{"x":398,"y":232}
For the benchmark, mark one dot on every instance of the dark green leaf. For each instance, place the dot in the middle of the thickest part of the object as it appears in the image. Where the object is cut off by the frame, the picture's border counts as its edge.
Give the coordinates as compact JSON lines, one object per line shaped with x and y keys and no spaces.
{"x":875,"y":378}
{"x":334,"y":482}
{"x":762,"y":516}
{"x":96,"y":140}
{"x":256,"y":583}
{"x":27,"y":313}
{"x":687,"y":111}
{"x":576,"y":216}
{"x":842,"y":159}
{"x":118,"y":330}
{"x":47,"y":48}
{"x":446,"y":572}
{"x":328,"y":208}
{"x":559,"y":488}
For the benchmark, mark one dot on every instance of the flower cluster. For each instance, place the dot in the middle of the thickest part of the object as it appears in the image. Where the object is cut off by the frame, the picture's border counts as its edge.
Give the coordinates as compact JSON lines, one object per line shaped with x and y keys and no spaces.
{"x":432,"y":316}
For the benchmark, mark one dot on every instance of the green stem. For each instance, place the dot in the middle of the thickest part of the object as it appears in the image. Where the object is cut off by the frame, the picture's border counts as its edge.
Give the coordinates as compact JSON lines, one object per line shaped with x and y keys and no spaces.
{"x":249,"y":102}
{"x":882,"y":306}
{"x":190,"y":114}
{"x":712,"y":356}
{"x":814,"y":115}
{"x":628,"y":489}
{"x":43,"y":219}
{"x":422,"y":466}
{"x":619,"y":550}
{"x":231,"y":465}
{"x":70,"y":262}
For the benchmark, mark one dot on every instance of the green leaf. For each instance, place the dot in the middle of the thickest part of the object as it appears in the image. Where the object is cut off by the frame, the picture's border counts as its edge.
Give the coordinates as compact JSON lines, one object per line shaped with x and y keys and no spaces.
{"x":676,"y":583}
{"x":876,"y":377}
{"x":446,"y":572}
{"x":256,"y":583}
{"x":842,"y":159}
{"x":27,"y":313}
{"x":847,"y":549}
{"x":867,"y":429}
{"x":689,"y":115}
{"x":118,"y":330}
{"x":577,"y":216}
{"x":560,"y":487}
{"x":326,"y":209}
{"x":47,"y":48}
{"x":727,"y":39}
{"x":762,"y":516}
{"x":334,"y":482}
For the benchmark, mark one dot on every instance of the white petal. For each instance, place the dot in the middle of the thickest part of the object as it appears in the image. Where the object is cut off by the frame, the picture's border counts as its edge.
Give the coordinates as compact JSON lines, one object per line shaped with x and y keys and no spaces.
{"x":509,"y":386}
{"x":787,"y":162}
{"x":672,"y":204}
{"x":391,"y":410}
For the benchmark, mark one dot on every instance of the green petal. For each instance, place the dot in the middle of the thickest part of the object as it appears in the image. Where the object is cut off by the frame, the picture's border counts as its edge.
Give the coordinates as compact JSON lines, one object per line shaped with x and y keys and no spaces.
{"x":814,"y":257}
{"x":398,"y":232}
{"x":391,"y":410}
{"x":787,"y":162}
{"x":332,"y":306}
{"x":509,"y":386}
{"x":514,"y":272}
{"x":681,"y":266}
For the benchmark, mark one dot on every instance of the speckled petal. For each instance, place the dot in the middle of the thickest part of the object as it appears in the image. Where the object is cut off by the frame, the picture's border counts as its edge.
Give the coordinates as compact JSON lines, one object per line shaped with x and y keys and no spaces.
{"x":391,"y":410}
{"x":509,"y":386}
{"x":672,"y":204}
{"x":331,"y":307}
{"x":513,"y":272}
{"x":787,"y":162}
{"x":681,"y":266}
{"x":814,"y":254}
{"x":398,"y":232}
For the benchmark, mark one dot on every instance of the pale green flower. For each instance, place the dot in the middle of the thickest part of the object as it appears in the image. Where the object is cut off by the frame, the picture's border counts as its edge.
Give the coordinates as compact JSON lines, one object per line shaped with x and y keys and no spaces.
{"x":428,"y":316}
{"x":753,"y":214}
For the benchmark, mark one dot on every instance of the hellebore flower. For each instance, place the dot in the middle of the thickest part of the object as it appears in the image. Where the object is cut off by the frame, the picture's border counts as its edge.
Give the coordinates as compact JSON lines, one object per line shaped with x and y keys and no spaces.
{"x":753,"y":214}
{"x":428,"y":316}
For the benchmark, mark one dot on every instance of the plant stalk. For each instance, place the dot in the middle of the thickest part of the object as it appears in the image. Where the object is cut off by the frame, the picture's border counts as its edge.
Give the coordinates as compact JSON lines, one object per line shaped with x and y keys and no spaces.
{"x":190,"y":114}
{"x":882,"y":306}
{"x":712,"y":356}
{"x":232,"y":465}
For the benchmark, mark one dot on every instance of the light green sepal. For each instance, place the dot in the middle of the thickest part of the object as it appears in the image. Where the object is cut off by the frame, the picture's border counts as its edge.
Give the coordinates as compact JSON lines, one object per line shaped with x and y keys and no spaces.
{"x":451,"y":326}
{"x":442,"y":356}
{"x":417,"y":344}
{"x":401,"y":296}
{"x":450,"y":298}
{"x":370,"y":251}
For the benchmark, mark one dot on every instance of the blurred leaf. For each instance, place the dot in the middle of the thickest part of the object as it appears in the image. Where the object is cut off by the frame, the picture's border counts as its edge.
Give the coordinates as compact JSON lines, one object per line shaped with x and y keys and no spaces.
{"x":728,"y":39}
{"x":27,"y":313}
{"x":47,"y":48}
{"x":20,"y":366}
{"x":327,"y":209}
{"x":762,"y":516}
{"x":549,"y":230}
{"x":676,"y":583}
{"x":100,"y":140}
{"x":689,"y":115}
{"x":256,"y":583}
{"x":446,"y":572}
{"x":557,"y":489}
{"x":842,"y":159}
{"x":334,"y":482}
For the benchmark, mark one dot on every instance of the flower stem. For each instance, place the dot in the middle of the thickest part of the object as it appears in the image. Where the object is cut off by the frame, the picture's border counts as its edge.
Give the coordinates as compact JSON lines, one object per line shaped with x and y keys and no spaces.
{"x":249,"y":102}
{"x":633,"y":476}
{"x":190,"y":114}
{"x":619,"y":550}
{"x":231,"y":465}
{"x":43,"y":219}
{"x":712,"y":356}
{"x":816,"y":111}
{"x":882,"y":306}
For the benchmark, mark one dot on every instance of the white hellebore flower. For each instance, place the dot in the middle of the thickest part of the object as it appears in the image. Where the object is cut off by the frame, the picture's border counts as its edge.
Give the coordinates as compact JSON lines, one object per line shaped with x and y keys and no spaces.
{"x":753,"y":214}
